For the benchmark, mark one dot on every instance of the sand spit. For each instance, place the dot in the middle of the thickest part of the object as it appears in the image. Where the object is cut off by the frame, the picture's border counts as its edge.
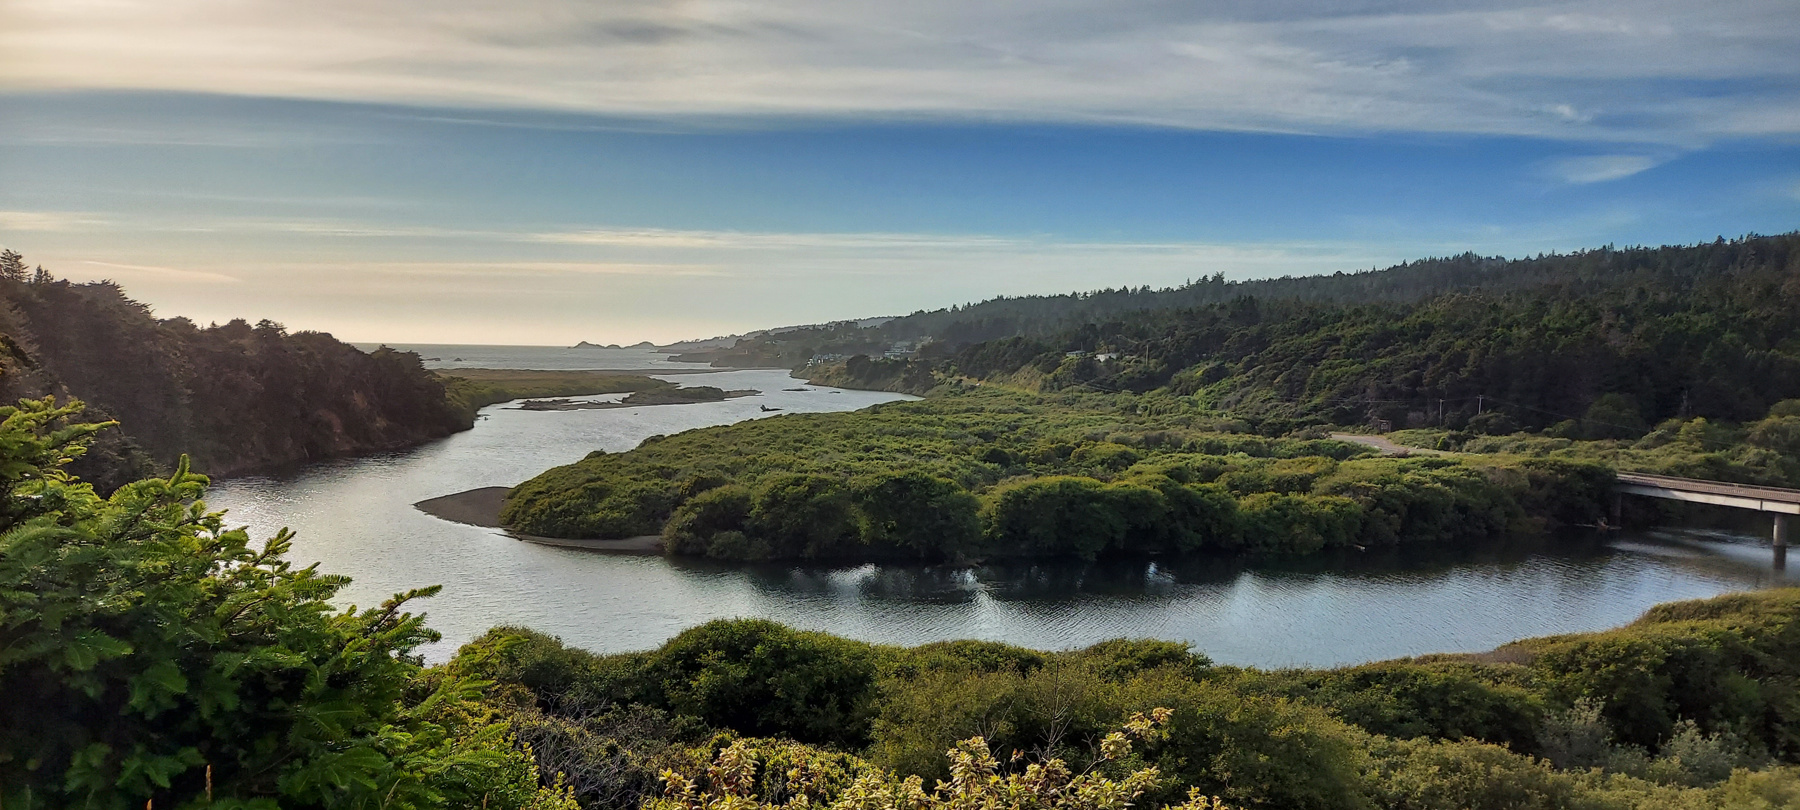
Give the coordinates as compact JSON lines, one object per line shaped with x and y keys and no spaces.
{"x":481,"y":507}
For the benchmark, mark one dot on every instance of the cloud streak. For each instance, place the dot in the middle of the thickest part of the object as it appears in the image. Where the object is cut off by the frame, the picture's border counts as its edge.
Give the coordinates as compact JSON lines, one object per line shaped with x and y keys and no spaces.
{"x":1601,"y":168}
{"x":117,"y":270}
{"x":39,"y":221}
{"x":1645,"y":70}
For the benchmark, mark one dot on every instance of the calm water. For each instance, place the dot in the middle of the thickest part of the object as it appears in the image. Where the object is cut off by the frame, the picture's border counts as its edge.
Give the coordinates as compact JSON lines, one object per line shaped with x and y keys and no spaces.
{"x":356,"y":517}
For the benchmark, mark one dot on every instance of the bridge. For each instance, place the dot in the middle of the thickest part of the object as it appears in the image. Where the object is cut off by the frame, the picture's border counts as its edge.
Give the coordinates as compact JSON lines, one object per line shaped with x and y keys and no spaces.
{"x":1776,"y":501}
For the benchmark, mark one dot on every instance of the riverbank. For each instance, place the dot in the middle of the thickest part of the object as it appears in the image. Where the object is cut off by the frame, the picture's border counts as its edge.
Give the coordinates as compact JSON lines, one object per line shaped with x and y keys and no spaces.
{"x":481,"y":507}
{"x":693,"y":395}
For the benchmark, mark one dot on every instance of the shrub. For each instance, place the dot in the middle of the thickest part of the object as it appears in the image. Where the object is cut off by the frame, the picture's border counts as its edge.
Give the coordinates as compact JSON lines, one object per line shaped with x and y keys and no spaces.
{"x":917,"y":514}
{"x":149,"y":655}
{"x":695,"y":524}
{"x":1053,"y":515}
{"x":761,"y":678}
{"x":802,"y":515}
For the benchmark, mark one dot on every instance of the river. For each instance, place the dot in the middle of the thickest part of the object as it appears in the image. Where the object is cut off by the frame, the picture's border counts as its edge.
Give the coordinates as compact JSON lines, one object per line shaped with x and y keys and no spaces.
{"x":356,"y":517}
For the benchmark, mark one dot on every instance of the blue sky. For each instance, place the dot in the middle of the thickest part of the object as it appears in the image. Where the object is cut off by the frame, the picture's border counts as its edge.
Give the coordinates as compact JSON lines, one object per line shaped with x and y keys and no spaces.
{"x":551,"y":171}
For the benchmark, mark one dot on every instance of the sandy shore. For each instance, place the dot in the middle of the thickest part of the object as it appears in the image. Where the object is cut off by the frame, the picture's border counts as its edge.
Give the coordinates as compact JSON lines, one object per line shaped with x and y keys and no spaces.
{"x":481,"y":507}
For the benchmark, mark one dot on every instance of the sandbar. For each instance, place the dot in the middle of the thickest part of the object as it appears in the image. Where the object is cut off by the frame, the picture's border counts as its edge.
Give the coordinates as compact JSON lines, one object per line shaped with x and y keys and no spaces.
{"x":481,"y":507}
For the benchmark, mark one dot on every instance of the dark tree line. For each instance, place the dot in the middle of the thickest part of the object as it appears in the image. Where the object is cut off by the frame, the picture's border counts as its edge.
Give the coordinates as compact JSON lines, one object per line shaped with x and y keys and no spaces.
{"x":1643,"y":335}
{"x":236,"y":397}
{"x":1049,"y":315}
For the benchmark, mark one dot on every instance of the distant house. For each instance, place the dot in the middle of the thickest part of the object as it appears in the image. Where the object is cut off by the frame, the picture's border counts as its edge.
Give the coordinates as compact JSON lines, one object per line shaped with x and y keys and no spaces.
{"x":1075,"y":354}
{"x":1106,"y":356}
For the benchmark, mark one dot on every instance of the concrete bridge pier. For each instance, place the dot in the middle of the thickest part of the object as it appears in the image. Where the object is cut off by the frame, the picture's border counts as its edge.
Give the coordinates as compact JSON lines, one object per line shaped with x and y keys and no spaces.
{"x":1781,"y":540}
{"x":1781,"y":503}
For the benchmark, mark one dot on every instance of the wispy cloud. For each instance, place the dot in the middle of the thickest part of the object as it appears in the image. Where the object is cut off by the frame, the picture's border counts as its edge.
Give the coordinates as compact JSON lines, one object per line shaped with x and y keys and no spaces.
{"x":47,"y":221}
{"x":1601,"y":69}
{"x":503,"y":271}
{"x":1601,"y":168}
{"x":163,"y":274}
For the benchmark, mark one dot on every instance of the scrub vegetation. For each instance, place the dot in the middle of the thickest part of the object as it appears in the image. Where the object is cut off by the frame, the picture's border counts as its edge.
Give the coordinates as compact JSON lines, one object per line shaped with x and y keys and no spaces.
{"x":1692,"y":706}
{"x":981,"y":474}
{"x":471,"y":389}
{"x":1764,"y":451}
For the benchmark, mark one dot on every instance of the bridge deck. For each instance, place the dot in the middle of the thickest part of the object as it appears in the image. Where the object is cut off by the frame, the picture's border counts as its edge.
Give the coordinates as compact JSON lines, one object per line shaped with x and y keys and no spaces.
{"x":1742,"y":496}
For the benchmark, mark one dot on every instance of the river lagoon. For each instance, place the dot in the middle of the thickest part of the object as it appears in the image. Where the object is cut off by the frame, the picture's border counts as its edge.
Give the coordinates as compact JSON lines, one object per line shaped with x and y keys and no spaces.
{"x":356,"y":517}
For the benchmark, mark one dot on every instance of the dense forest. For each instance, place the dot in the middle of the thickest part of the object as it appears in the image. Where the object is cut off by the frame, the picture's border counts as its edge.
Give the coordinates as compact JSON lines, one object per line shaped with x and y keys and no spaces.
{"x":1621,"y":339}
{"x":1403,"y":283}
{"x":234,"y":397}
{"x":982,"y":474}
{"x":151,"y":657}
{"x":1645,"y":334}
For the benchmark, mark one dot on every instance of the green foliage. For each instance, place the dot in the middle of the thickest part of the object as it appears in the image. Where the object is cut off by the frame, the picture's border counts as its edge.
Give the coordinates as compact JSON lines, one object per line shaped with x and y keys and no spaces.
{"x":1449,"y":699}
{"x":761,"y":678}
{"x":803,"y":515}
{"x":881,"y":374}
{"x":757,"y":774}
{"x":148,"y":653}
{"x":233,"y":397}
{"x":1761,"y":452}
{"x":1543,"y":723}
{"x":1121,"y":659}
{"x":1732,"y":663}
{"x":1606,"y":341}
{"x":984,"y":474}
{"x":1055,"y":515}
{"x":712,"y":524}
{"x":919,"y":514}
{"x":1466,"y":775}
{"x":1299,"y":524}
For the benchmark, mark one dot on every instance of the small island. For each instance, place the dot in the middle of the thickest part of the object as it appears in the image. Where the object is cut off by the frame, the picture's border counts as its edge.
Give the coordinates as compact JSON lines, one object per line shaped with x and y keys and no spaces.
{"x":642,"y":344}
{"x":471,"y":389}
{"x":655,"y":396}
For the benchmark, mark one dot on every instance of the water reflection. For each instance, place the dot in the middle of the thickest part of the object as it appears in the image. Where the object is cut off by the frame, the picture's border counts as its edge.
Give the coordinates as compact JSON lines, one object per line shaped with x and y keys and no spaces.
{"x":356,"y":517}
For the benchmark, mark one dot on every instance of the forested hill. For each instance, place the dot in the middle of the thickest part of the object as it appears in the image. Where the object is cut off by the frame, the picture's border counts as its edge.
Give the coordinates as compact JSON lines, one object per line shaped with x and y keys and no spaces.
{"x":1044,"y":315}
{"x":1599,"y":344}
{"x":235,"y":397}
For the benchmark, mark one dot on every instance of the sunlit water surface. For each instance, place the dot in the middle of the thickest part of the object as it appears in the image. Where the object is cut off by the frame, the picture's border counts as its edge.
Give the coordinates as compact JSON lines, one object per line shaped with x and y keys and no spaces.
{"x":356,"y":517}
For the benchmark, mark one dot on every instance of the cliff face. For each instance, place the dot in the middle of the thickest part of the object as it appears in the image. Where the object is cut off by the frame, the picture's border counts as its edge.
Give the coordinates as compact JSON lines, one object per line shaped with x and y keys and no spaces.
{"x":234,"y":397}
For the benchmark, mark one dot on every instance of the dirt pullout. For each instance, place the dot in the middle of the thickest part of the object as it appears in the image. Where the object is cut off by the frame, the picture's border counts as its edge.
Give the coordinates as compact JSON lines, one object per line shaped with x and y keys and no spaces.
{"x":481,"y":507}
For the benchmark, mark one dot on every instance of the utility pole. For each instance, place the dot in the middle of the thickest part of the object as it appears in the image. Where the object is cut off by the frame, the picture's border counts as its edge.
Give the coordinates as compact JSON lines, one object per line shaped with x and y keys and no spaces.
{"x":1478,"y":399}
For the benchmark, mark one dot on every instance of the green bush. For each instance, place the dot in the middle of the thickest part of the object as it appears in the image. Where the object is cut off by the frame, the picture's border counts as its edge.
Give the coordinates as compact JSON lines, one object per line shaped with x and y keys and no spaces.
{"x":149,"y":655}
{"x":803,"y":515}
{"x":695,"y":525}
{"x":1275,"y":523}
{"x":917,"y":515}
{"x":761,"y":678}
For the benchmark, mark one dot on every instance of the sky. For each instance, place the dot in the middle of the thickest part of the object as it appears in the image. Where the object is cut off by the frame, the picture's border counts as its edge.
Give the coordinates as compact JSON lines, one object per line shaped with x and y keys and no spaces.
{"x":548,"y":171}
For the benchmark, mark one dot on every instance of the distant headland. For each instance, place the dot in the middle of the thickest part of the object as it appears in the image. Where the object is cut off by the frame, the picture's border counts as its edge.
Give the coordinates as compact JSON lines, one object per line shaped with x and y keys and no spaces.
{"x":642,"y":344}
